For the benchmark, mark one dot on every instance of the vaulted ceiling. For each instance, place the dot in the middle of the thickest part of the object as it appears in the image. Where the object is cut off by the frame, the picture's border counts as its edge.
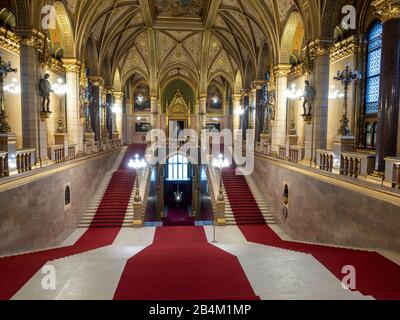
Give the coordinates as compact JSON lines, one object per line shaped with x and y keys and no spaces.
{"x":199,"y":40}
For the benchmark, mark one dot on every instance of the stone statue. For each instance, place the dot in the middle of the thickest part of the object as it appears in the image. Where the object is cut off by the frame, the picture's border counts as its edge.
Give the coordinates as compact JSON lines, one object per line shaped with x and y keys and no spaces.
{"x":309,"y":95}
{"x":45,"y":90}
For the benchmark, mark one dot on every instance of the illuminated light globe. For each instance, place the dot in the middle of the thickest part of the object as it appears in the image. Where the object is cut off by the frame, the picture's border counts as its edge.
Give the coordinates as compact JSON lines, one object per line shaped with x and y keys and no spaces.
{"x":60,"y":88}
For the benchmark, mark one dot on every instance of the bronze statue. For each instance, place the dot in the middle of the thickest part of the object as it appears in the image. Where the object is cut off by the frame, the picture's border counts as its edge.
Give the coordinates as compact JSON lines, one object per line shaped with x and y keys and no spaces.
{"x":45,"y":90}
{"x":308,"y":96}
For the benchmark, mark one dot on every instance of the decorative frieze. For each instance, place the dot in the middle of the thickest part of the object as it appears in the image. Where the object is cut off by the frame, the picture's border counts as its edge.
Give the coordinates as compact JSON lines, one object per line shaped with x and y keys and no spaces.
{"x":387,"y":9}
{"x":320,"y":47}
{"x":343,"y":49}
{"x":296,"y":72}
{"x":9,"y":41}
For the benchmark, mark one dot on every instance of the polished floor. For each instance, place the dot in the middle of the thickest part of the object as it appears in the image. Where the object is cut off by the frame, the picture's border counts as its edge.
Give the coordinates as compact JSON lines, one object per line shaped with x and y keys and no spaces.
{"x":273,"y":273}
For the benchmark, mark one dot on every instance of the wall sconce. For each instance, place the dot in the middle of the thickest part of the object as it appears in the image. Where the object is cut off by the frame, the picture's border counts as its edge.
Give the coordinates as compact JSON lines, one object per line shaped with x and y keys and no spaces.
{"x":240,"y":112}
{"x":13,"y":88}
{"x":116,"y":109}
{"x":293,"y":93}
{"x":335,"y":93}
{"x":60,"y":88}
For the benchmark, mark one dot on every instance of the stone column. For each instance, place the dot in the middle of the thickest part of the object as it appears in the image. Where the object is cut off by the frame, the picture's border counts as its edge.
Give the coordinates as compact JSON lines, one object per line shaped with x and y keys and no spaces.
{"x":389,"y":103}
{"x":95,"y":105}
{"x":259,"y":108}
{"x":110,"y":115}
{"x":33,"y":136}
{"x":279,"y":127}
{"x":74,"y":123}
{"x":237,"y":98}
{"x":118,"y":101}
{"x":316,"y":134}
{"x":203,"y":112}
{"x":127,"y":130}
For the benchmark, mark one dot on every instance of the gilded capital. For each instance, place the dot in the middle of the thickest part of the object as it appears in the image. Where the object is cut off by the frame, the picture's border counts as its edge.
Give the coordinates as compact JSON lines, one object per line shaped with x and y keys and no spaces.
{"x":96,"y":81}
{"x":282,"y":70}
{"x":118,"y":95}
{"x":236,"y":98}
{"x":387,"y":9}
{"x":72,"y":65}
{"x":320,"y":47}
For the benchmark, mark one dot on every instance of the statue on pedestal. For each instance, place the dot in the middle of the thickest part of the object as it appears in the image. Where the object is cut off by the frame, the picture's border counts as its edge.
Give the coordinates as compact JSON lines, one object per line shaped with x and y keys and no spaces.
{"x":5,"y":68}
{"x":45,"y":90}
{"x":309,"y":95}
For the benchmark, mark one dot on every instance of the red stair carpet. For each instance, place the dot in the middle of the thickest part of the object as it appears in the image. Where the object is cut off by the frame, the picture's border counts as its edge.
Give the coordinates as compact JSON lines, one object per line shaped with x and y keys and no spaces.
{"x":178,"y":217}
{"x":16,"y":271}
{"x":182,"y":265}
{"x":244,"y":206}
{"x":376,"y":275}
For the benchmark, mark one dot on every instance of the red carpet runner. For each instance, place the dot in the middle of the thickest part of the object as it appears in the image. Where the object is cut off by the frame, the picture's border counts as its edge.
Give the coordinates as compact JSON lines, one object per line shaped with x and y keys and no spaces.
{"x":245,"y":208}
{"x":376,"y":275}
{"x":182,"y":265}
{"x":178,"y":217}
{"x":16,"y":271}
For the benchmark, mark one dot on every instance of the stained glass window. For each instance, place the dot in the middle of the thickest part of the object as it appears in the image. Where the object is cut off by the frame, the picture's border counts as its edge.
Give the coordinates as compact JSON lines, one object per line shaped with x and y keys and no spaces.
{"x":374,"y":68}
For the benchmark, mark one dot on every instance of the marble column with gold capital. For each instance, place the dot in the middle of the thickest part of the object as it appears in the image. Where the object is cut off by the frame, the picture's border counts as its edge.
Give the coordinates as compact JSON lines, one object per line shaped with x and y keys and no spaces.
{"x":203,"y":112}
{"x":34,"y":131}
{"x":388,"y":144}
{"x":316,"y":132}
{"x":74,"y":124}
{"x":237,"y":109}
{"x":95,"y":83}
{"x":118,"y":102}
{"x":281,"y":73}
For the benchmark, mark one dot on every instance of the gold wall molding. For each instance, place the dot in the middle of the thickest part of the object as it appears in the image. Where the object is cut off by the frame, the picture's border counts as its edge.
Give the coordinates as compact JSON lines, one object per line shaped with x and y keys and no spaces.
{"x":343,"y":49}
{"x":296,"y":72}
{"x":320,"y":47}
{"x":9,"y":41}
{"x":386,"y":9}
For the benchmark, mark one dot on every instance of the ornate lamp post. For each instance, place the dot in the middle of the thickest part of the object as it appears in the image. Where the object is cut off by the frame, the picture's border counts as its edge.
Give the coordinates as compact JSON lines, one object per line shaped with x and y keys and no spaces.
{"x":5,"y":69}
{"x":346,"y":77}
{"x":220,"y":164}
{"x":137,"y":164}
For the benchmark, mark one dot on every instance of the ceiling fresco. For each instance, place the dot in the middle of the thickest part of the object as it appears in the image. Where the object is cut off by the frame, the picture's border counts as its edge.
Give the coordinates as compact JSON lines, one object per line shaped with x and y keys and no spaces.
{"x":180,"y":8}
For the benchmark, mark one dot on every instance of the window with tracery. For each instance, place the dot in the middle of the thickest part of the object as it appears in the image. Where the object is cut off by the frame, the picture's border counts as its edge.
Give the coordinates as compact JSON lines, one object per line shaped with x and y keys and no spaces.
{"x":373,"y":68}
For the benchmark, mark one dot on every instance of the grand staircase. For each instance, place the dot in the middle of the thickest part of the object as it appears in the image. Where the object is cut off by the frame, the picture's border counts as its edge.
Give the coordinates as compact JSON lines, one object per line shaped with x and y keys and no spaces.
{"x":111,"y":207}
{"x":246,"y":205}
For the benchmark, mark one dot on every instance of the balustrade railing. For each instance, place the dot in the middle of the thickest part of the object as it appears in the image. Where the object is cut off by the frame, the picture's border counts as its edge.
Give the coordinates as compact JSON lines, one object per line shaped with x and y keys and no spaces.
{"x":282,"y":152}
{"x":397,"y":174}
{"x":357,"y":164}
{"x":325,"y":160}
{"x":4,"y":164}
{"x":57,"y":153}
{"x":71,"y":152}
{"x":296,"y":154}
{"x":24,"y":160}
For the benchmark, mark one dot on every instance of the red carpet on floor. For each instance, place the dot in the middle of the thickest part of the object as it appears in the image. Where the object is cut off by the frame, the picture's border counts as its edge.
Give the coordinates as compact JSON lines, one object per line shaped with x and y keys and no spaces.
{"x":376,"y":276}
{"x":16,"y":271}
{"x":182,"y":265}
{"x":178,"y":217}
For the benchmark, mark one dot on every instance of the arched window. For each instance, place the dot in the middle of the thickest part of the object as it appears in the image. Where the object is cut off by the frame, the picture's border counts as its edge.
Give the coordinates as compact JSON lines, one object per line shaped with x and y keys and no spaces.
{"x":368,"y":135}
{"x":178,"y":168}
{"x":67,"y":196}
{"x":373,"y":68}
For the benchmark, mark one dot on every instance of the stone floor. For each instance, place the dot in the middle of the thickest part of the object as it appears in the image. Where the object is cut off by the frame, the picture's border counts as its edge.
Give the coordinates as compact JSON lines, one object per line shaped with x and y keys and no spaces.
{"x":273,"y":273}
